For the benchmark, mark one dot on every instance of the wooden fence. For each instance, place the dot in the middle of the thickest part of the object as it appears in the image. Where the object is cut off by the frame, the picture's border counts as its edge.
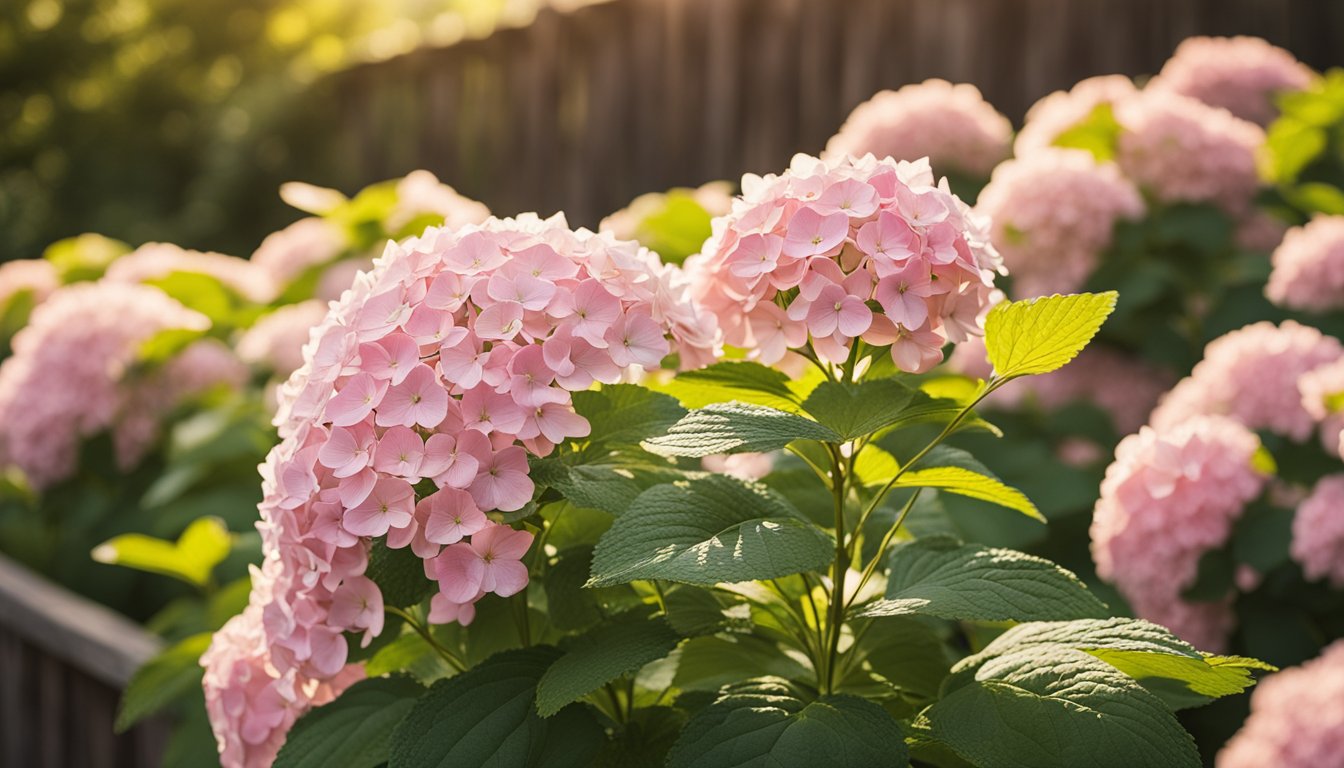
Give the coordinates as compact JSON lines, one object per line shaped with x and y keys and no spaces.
{"x":63,"y":664}
{"x":584,"y":110}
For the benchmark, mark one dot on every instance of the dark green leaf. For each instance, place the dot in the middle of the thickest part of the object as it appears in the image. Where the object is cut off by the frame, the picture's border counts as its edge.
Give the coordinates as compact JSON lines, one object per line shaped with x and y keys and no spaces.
{"x":944,"y":578}
{"x":399,"y":574}
{"x":857,"y":410}
{"x":738,"y":380}
{"x":602,"y":654}
{"x":1059,"y":708}
{"x":770,"y":722}
{"x":487,"y":717}
{"x":735,"y":428}
{"x":162,"y":680}
{"x":708,"y":530}
{"x":621,"y":415}
{"x":353,"y":730}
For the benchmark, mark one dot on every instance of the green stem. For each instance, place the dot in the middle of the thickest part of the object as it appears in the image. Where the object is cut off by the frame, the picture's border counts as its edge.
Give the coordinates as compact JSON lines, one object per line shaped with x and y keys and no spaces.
{"x":947,"y":431}
{"x":881,"y":548}
{"x":839,"y":569}
{"x":423,"y":631}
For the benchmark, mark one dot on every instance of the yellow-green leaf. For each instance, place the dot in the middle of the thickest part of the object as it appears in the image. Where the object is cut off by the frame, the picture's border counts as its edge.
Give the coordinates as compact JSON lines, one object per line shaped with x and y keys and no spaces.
{"x":1036,"y":336}
{"x":191,"y":558}
{"x":966,"y":482}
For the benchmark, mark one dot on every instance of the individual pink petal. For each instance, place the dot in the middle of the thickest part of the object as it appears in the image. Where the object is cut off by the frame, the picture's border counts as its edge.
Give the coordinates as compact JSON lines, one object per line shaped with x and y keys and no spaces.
{"x":812,"y":234}
{"x":500,"y":321}
{"x":849,"y":196}
{"x":400,"y":452}
{"x":391,"y":504}
{"x":355,"y":400}
{"x":595,"y":311}
{"x":636,"y":339}
{"x":451,"y":515}
{"x":391,"y":357}
{"x":420,"y":399}
{"x":502,"y":483}
{"x":356,"y":488}
{"x":459,"y":571}
{"x":487,"y":411}
{"x":347,"y":450}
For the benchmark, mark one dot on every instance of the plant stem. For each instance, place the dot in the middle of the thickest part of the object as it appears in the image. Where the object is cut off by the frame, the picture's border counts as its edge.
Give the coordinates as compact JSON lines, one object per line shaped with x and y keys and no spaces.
{"x":947,"y":431}
{"x":428,"y":637}
{"x":838,"y":572}
{"x":881,"y":548}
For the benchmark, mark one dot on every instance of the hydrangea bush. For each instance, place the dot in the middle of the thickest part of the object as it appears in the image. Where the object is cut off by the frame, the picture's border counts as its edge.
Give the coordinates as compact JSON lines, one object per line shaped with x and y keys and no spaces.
{"x":489,"y":532}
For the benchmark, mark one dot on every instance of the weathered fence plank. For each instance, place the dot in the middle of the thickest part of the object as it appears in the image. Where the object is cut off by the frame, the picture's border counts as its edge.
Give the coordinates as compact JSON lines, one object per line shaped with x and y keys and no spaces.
{"x":63,"y":664}
{"x":583,"y":110}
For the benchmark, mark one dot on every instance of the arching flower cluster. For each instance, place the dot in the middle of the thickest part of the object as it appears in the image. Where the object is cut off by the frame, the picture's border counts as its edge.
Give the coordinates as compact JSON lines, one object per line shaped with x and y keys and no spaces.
{"x":158,"y":260}
{"x":1297,"y":718}
{"x":287,"y":253}
{"x":420,"y":397}
{"x":1239,"y":74}
{"x":1057,"y":112}
{"x":67,"y":379}
{"x":1309,"y":267}
{"x":1172,"y":495}
{"x":1054,"y":213}
{"x":275,"y":342}
{"x":1181,"y":150}
{"x":1252,"y":375}
{"x":1318,"y":532}
{"x":803,"y":254}
{"x":36,"y":276}
{"x":952,"y":125}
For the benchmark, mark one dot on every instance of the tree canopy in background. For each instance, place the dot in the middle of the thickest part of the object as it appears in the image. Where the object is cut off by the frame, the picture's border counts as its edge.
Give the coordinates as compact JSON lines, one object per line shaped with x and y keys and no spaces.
{"x":154,"y":119}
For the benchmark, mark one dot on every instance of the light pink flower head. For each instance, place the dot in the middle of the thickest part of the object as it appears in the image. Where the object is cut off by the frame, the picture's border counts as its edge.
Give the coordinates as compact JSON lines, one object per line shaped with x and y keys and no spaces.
{"x":203,"y":366}
{"x":1321,"y":390}
{"x":1059,"y":111}
{"x":309,"y":242}
{"x":952,"y":125}
{"x":1309,"y":267}
{"x":1318,"y":532}
{"x":420,"y":193}
{"x":68,"y":376}
{"x":275,"y":342}
{"x":1251,"y":375}
{"x":1297,"y":718}
{"x":1239,"y":74}
{"x":37,"y":276}
{"x":449,"y":363}
{"x":1171,"y":495}
{"x":802,"y":254}
{"x":158,"y":260}
{"x":1053,"y":213}
{"x":1181,"y":150}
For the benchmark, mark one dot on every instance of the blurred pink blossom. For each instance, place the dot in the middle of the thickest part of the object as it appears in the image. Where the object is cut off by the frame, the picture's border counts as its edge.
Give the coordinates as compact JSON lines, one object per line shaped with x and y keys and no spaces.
{"x":952,"y":125}
{"x":1318,"y":532}
{"x":1297,"y":718}
{"x":1171,"y":495}
{"x":1239,"y":74}
{"x":1309,"y":267}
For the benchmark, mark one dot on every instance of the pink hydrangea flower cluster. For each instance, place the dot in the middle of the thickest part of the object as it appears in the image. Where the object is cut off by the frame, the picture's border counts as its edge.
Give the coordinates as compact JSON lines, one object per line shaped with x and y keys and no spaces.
{"x":441,"y":369}
{"x":157,"y":260}
{"x":1251,"y":375}
{"x":289,"y":252}
{"x":1309,"y":267}
{"x":1318,"y":532}
{"x":1318,"y":388}
{"x":257,"y":704}
{"x":1181,"y":150}
{"x":952,"y":125}
{"x":1239,"y":74}
{"x":203,"y":366}
{"x":66,"y":378}
{"x":35,"y":275}
{"x":1171,"y":495}
{"x":275,"y":342}
{"x":1053,"y":213}
{"x":1059,"y":111}
{"x":1297,"y":718}
{"x":421,"y":193}
{"x":802,"y":254}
